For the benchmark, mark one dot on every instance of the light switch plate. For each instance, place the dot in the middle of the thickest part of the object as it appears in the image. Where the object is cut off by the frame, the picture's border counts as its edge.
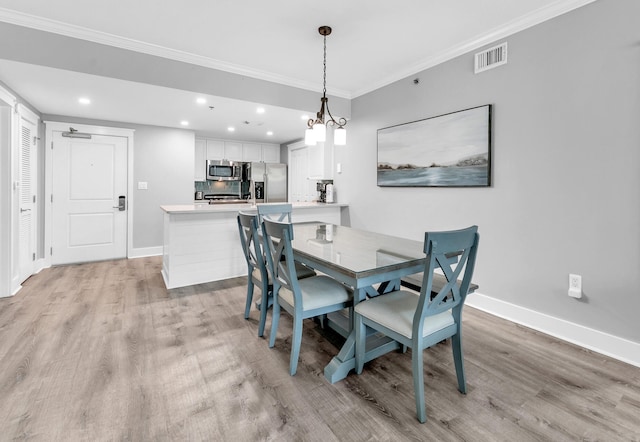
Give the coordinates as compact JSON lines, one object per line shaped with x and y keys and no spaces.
{"x":142,"y":185}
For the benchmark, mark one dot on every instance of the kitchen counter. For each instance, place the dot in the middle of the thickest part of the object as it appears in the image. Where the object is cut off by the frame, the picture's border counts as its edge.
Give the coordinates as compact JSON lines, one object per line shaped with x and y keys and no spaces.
{"x":201,"y":242}
{"x":226,"y":207}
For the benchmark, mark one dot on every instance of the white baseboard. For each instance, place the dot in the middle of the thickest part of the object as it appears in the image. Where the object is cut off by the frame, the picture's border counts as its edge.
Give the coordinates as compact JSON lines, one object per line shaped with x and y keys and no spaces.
{"x":600,"y":342}
{"x":142,"y":252}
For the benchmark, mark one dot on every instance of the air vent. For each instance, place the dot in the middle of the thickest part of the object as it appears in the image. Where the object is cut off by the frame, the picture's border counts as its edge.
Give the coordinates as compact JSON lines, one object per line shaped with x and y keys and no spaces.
{"x":491,"y":58}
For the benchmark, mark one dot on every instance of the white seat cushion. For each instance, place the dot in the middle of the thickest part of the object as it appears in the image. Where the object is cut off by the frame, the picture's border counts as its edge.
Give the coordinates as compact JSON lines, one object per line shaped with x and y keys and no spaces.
{"x":318,"y":291}
{"x":395,"y":311}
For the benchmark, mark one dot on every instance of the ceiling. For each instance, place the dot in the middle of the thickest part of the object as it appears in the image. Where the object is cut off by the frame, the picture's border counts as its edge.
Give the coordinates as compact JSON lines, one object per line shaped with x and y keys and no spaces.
{"x":372,"y":45}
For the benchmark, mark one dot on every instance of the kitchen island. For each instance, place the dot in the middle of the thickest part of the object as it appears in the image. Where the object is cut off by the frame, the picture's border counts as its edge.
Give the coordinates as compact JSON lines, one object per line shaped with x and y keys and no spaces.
{"x":201,"y":242}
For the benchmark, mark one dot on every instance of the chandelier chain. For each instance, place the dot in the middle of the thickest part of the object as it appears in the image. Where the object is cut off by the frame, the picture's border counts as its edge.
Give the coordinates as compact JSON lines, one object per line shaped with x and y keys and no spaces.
{"x":324,"y":67}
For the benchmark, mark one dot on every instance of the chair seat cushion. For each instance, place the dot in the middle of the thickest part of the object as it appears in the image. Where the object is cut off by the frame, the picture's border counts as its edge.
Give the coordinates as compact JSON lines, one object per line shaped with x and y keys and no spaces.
{"x":395,"y":311}
{"x":302,"y":272}
{"x":318,"y":291}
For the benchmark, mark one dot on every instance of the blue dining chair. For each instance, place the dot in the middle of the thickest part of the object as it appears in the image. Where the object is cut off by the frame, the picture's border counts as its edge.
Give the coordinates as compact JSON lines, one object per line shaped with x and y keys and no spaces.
{"x":274,"y":211}
{"x":418,"y":322}
{"x":282,"y":212}
{"x":256,"y":266}
{"x":302,"y":298}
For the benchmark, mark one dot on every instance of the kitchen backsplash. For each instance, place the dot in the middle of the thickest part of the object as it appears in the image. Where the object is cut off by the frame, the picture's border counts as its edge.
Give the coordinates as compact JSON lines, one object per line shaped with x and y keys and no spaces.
{"x":218,"y":187}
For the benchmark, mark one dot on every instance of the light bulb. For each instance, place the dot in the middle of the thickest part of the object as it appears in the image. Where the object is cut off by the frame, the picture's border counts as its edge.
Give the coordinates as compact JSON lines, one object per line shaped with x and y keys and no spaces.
{"x":309,"y":137}
{"x":320,"y":132}
{"x":340,"y":136}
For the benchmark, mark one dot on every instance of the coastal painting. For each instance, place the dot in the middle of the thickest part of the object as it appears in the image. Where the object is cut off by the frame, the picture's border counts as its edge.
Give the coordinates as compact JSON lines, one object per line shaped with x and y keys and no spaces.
{"x":451,"y":150}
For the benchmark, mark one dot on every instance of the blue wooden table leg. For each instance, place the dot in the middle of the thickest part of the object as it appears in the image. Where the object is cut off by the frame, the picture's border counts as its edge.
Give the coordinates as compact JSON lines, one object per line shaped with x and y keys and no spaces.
{"x":345,"y":361}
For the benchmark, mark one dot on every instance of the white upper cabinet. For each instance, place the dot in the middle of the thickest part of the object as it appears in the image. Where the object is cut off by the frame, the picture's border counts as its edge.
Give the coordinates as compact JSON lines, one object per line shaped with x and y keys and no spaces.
{"x":233,"y":151}
{"x":271,"y":153}
{"x":215,"y":150}
{"x":210,"y":149}
{"x":223,"y":150}
{"x":251,"y":152}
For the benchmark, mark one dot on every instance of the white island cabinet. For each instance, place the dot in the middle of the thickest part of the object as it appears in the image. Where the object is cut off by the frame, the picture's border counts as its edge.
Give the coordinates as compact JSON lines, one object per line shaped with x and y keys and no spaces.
{"x":202,"y":244}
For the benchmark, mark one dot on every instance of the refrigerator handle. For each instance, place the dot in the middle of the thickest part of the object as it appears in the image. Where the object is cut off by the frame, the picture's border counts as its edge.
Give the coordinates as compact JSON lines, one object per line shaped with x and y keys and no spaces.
{"x":265,"y":179}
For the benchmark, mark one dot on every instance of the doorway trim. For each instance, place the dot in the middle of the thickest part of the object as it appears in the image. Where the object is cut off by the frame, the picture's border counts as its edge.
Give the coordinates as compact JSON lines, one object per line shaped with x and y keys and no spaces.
{"x":8,"y":119}
{"x":54,"y":126}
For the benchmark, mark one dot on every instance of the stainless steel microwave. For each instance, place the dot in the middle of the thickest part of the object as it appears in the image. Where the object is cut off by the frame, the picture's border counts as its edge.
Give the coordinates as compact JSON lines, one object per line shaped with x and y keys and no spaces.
{"x":224,"y":170}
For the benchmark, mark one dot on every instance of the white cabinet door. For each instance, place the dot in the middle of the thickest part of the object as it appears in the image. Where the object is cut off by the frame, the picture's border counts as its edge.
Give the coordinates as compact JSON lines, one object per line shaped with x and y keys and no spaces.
{"x":271,"y":153}
{"x":251,"y":152}
{"x":316,"y":161}
{"x":232,"y":151}
{"x":301,"y":187}
{"x":215,"y":150}
{"x":200,"y":158}
{"x":321,"y":161}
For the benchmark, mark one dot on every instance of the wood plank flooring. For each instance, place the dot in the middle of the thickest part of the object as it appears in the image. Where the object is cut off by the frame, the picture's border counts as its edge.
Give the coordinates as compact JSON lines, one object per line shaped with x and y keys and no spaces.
{"x":102,"y":351}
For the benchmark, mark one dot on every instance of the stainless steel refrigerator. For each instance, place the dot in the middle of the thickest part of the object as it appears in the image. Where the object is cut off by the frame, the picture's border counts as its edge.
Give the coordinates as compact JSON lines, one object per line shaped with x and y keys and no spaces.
{"x":267,"y":182}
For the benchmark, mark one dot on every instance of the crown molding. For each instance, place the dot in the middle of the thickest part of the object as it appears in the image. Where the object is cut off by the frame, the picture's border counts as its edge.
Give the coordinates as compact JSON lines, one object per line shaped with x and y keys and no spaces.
{"x":82,"y":33}
{"x":79,"y":32}
{"x":534,"y":18}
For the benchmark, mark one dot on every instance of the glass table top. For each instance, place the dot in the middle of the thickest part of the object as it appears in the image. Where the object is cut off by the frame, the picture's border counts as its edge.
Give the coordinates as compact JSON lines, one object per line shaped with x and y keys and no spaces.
{"x":352,"y":251}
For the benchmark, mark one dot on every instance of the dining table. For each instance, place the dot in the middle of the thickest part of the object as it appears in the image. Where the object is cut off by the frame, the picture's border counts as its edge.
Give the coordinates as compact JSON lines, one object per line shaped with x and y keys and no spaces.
{"x":370,"y":263}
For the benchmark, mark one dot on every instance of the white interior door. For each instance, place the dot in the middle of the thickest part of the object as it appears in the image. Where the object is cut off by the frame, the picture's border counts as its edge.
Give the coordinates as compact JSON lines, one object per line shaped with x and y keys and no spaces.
{"x":89,"y":180}
{"x":26,"y":198}
{"x":301,"y":187}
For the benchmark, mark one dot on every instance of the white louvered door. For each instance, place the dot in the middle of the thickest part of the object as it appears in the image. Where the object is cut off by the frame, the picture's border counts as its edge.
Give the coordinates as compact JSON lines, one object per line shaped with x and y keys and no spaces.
{"x":26,"y":195}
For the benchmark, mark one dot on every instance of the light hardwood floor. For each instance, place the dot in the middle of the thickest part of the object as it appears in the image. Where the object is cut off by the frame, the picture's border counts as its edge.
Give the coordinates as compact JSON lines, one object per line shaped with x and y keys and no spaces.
{"x":102,"y":351}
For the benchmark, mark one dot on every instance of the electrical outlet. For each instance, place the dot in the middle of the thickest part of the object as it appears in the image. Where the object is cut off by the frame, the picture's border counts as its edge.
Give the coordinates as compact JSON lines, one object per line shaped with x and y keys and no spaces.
{"x":575,"y":282}
{"x":575,"y":286}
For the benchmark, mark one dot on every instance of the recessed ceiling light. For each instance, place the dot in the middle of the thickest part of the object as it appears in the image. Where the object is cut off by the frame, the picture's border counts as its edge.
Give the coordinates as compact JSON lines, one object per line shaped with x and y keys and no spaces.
{"x":260,"y":110}
{"x":201,"y":100}
{"x":231,"y":129}
{"x":269,"y":133}
{"x":84,"y":100}
{"x":184,"y":123}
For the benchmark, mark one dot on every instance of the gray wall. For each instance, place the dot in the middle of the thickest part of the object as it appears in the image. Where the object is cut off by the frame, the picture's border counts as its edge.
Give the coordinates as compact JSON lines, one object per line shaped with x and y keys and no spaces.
{"x":566,"y":190}
{"x":164,"y":159}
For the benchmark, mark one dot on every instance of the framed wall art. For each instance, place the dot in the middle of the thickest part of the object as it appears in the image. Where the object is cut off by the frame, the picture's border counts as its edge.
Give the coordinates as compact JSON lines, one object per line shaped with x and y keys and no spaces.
{"x":451,"y":150}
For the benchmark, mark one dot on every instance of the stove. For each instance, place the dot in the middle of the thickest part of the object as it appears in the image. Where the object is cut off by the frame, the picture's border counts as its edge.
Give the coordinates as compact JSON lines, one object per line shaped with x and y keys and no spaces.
{"x":224,"y":198}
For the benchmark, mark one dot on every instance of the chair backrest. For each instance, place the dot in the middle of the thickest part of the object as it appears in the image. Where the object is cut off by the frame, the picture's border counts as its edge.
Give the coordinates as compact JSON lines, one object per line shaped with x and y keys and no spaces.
{"x":453,"y":252}
{"x":274,"y":212}
{"x":277,"y":237}
{"x":249,"y":239}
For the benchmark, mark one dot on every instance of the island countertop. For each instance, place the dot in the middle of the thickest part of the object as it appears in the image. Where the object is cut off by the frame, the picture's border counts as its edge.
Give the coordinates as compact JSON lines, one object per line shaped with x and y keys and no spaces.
{"x":217,"y":208}
{"x":201,"y":241}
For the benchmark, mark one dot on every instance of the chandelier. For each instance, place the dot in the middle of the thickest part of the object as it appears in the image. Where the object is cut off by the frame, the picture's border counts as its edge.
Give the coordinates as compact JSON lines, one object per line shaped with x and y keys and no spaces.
{"x":317,"y":128}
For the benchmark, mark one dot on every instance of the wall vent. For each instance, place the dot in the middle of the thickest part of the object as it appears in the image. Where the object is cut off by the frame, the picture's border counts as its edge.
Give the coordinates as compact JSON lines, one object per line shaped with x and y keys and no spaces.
{"x":491,"y":58}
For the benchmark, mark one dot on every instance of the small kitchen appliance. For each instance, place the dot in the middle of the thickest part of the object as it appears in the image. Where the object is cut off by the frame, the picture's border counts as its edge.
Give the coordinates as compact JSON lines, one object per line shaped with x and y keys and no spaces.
{"x":325,"y":191}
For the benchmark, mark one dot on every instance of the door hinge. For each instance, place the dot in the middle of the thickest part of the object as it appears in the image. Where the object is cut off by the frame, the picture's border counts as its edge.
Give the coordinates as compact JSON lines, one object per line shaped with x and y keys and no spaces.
{"x":34,"y":257}
{"x":52,"y":145}
{"x":52,"y":197}
{"x":34,"y":198}
{"x":51,"y":251}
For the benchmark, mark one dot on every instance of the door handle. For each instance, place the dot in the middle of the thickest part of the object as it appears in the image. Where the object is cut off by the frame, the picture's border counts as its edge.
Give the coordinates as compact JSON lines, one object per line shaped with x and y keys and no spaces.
{"x":24,"y":210}
{"x":122,"y":204}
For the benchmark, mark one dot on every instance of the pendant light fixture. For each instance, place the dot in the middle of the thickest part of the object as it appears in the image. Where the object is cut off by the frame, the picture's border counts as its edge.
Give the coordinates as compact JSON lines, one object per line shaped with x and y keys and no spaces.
{"x":317,"y":129}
